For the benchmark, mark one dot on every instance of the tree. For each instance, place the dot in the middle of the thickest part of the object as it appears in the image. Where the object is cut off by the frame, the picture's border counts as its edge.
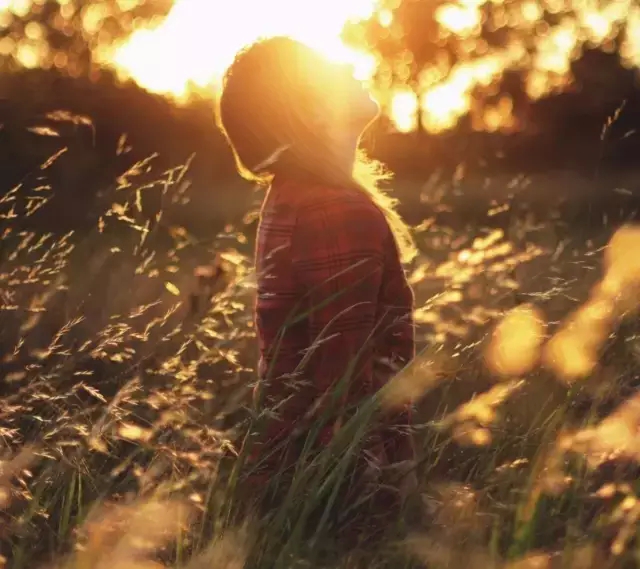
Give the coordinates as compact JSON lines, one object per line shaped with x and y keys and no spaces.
{"x":68,"y":35}
{"x":484,"y":51}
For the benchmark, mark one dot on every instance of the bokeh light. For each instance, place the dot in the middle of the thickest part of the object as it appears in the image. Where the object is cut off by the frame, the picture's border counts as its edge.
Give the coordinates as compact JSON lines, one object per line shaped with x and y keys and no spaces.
{"x":180,"y":48}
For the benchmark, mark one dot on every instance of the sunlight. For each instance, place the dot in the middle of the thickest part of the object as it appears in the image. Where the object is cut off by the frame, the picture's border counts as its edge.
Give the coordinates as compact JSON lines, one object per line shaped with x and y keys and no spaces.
{"x":193,"y":46}
{"x":186,"y":52}
{"x":404,"y":110}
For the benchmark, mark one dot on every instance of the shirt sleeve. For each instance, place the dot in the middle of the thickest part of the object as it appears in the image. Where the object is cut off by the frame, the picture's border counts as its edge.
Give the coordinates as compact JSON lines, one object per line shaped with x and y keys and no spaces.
{"x":338,"y":257}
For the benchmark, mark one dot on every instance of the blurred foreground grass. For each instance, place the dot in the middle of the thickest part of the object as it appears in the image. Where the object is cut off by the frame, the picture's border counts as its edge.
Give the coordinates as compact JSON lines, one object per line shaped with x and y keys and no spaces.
{"x":127,"y":358}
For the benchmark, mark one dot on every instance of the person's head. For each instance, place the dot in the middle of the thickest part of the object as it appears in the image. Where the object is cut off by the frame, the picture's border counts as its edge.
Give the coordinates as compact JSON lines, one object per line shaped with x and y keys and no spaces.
{"x":287,"y":111}
{"x":279,"y":94}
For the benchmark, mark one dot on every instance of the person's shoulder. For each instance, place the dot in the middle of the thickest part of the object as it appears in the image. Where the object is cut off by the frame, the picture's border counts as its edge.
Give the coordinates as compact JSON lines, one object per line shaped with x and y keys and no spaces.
{"x":340,"y":205}
{"x":341,"y":219}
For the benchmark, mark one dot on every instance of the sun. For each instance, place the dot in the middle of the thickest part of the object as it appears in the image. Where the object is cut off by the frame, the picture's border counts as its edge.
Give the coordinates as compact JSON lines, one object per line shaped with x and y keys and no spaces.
{"x":191,"y":48}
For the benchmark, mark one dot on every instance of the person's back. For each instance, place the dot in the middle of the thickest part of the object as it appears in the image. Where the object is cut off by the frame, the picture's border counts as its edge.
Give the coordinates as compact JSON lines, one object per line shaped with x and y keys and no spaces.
{"x":331,"y":292}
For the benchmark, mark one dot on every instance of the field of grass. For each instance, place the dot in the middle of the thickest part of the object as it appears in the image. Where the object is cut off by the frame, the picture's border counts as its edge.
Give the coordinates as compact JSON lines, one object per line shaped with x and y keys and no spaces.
{"x":128,"y":355}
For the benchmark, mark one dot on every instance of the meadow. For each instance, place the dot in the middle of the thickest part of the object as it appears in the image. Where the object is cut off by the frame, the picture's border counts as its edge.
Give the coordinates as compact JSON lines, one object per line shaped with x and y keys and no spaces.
{"x":128,"y":354}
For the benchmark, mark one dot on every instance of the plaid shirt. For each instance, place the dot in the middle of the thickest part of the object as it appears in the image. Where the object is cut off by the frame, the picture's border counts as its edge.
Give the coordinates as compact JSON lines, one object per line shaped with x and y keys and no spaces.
{"x":331,"y":288}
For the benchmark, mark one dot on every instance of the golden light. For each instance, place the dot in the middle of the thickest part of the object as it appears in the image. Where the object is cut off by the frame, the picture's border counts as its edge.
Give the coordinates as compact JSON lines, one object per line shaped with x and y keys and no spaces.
{"x":187,"y":51}
{"x":19,"y":8}
{"x":514,"y":349}
{"x":630,"y":49}
{"x":191,"y":48}
{"x":461,"y":20}
{"x":448,"y":101}
{"x":404,"y":110}
{"x":573,"y":352}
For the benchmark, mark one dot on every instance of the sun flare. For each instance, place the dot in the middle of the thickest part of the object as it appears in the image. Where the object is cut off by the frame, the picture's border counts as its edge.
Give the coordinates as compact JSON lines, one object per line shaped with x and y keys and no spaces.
{"x":190,"y":49}
{"x":186,"y":52}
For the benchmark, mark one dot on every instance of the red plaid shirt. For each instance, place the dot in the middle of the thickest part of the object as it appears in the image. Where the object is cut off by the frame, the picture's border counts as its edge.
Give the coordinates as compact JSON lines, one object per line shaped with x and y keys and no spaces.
{"x":331,"y":288}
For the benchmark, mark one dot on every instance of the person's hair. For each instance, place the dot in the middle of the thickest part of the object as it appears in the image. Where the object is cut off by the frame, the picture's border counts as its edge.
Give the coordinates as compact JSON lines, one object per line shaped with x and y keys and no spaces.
{"x":266,"y":111}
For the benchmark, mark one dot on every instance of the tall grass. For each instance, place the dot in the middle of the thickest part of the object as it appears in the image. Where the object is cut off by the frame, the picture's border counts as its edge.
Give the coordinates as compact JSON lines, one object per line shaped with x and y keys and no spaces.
{"x":127,"y":363}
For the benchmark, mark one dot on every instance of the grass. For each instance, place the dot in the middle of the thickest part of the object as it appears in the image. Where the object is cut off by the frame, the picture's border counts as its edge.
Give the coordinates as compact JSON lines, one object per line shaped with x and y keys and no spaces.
{"x":127,"y":368}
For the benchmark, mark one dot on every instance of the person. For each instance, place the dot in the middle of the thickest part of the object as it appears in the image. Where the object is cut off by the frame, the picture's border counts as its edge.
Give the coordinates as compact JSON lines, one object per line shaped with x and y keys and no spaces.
{"x":333,"y":301}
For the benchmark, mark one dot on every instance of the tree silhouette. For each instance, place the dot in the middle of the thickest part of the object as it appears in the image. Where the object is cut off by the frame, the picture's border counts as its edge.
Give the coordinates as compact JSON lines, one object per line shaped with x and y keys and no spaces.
{"x":68,"y":35}
{"x":531,"y":49}
{"x":496,"y":55}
